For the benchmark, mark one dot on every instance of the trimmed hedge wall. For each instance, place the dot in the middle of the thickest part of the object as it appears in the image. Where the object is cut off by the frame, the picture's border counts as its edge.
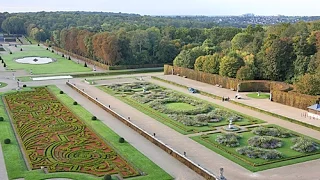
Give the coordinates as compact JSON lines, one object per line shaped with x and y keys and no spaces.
{"x":139,"y":66}
{"x":213,"y":79}
{"x":301,"y":101}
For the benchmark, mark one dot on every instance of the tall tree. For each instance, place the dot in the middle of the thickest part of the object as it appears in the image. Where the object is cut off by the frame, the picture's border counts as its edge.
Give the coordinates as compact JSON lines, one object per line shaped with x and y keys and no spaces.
{"x":230,"y":64}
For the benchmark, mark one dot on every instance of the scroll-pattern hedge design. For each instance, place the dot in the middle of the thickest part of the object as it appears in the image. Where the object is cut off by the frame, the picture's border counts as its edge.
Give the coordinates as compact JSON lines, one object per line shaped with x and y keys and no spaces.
{"x":54,"y":137}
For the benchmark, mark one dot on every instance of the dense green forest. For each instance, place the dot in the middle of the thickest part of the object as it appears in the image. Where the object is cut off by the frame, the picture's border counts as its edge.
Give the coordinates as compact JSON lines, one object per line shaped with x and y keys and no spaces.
{"x":284,"y":52}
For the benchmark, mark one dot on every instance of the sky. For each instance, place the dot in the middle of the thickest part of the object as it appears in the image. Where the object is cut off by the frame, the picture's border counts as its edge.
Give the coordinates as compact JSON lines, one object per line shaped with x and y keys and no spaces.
{"x":170,"y":7}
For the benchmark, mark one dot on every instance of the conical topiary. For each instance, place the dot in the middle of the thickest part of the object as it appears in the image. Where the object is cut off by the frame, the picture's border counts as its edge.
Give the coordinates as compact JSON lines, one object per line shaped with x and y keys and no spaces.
{"x":85,"y":64}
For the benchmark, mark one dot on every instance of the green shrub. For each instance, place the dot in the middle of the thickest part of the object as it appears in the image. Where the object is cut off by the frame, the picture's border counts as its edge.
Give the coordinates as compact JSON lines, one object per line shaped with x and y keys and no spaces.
{"x":275,"y":132}
{"x":62,"y":55}
{"x":10,"y":52}
{"x":52,"y":51}
{"x":94,"y":118}
{"x":21,"y":49}
{"x":75,"y":103}
{"x":1,"y":118}
{"x":121,"y":140}
{"x":24,"y":85}
{"x":254,"y":153}
{"x":4,"y":65}
{"x":7,"y":141}
{"x":61,"y":92}
{"x":107,"y":177}
{"x":266,"y":142}
{"x":69,"y":58}
{"x":304,"y":145}
{"x":229,"y":139}
{"x":85,"y":64}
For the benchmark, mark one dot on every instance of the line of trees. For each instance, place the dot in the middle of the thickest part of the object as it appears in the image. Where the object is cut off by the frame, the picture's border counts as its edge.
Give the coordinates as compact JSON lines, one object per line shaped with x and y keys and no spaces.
{"x":284,"y":52}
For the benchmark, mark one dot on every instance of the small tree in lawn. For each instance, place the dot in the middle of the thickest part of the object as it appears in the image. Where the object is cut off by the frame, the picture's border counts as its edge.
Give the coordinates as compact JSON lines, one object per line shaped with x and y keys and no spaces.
{"x":10,"y":52}
{"x":85,"y":64}
{"x":4,"y":65}
{"x":1,"y":58}
{"x":62,"y":55}
{"x":69,"y":58}
{"x":21,"y":49}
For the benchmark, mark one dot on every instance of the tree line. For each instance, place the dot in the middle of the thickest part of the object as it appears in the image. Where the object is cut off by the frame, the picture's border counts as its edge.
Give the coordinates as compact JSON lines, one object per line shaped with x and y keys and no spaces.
{"x":283,"y":52}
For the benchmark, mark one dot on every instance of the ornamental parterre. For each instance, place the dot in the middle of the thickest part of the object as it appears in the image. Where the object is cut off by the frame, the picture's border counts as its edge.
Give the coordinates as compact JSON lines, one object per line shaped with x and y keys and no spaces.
{"x":54,"y":137}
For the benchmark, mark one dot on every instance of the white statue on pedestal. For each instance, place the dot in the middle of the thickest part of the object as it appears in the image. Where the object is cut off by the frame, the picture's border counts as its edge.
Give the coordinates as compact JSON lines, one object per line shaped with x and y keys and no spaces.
{"x":230,"y":124}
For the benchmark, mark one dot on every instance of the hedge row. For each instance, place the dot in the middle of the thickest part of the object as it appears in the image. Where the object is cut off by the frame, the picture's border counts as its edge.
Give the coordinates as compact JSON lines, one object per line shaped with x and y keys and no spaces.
{"x":138,"y":66}
{"x":246,"y":106}
{"x":213,"y":79}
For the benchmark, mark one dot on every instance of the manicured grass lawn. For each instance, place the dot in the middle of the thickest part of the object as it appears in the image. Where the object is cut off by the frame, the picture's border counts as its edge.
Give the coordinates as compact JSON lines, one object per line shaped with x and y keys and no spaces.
{"x":61,"y":65}
{"x":180,"y":106}
{"x":180,"y":127}
{"x":16,"y":166}
{"x":262,"y":95}
{"x":209,"y":141}
{"x":2,"y":84}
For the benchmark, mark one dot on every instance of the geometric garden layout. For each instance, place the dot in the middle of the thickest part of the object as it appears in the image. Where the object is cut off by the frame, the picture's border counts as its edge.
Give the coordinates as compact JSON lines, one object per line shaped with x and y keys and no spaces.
{"x":251,"y":145}
{"x":54,"y":137}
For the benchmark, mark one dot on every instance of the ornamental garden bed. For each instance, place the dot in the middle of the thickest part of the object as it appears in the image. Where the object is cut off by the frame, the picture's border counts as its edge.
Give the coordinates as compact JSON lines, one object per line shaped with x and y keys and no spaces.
{"x":52,"y":136}
{"x":263,"y":147}
{"x":181,"y":112}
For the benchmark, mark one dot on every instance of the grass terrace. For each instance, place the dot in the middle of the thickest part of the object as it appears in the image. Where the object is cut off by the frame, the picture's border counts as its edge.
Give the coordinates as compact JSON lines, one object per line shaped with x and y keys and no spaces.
{"x":261,"y":96}
{"x":181,"y":112}
{"x":61,"y":65}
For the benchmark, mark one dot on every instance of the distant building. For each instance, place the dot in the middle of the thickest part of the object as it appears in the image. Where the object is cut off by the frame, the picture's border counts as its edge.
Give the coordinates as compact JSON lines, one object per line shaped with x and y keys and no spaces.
{"x":314,"y":110}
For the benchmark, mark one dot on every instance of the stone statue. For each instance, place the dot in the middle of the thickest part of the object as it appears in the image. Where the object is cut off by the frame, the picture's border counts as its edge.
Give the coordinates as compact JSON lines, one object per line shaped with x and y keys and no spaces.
{"x":230,"y":124}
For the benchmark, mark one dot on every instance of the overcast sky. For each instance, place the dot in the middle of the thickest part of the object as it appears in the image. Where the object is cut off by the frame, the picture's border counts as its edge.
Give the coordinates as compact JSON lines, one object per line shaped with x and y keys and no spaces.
{"x":170,"y":7}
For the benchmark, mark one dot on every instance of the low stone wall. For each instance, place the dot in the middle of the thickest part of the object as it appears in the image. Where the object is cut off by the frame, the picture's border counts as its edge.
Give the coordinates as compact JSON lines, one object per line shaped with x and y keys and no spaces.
{"x":195,"y":167}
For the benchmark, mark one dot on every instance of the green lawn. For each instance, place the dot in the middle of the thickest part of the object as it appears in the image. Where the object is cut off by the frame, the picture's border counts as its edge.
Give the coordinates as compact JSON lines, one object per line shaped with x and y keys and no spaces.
{"x":262,"y":95}
{"x":16,"y":166}
{"x":62,"y":65}
{"x":180,"y":127}
{"x":180,"y":106}
{"x":290,"y":156}
{"x":2,"y":84}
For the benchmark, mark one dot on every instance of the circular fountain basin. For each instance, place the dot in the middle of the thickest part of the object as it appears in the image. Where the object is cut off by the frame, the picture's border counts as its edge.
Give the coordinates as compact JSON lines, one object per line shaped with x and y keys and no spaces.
{"x":34,"y":60}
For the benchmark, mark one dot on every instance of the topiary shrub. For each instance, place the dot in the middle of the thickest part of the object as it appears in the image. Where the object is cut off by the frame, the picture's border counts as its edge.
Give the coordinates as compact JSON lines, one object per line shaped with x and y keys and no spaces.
{"x":52,"y":51}
{"x":10,"y":52}
{"x":24,"y":85}
{"x":121,"y":140}
{"x":4,"y":65}
{"x":228,"y":139}
{"x":254,"y":153}
{"x":21,"y":49}
{"x":0,"y":58}
{"x":94,"y":118}
{"x":7,"y":141}
{"x":75,"y":103}
{"x":107,"y":177}
{"x":304,"y":145}
{"x":1,"y":118}
{"x":266,"y":142}
{"x":275,"y":132}
{"x":38,"y":44}
{"x":47,"y":48}
{"x":15,"y":45}
{"x":62,"y":55}
{"x":85,"y":64}
{"x":69,"y":58}
{"x":61,"y":92}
